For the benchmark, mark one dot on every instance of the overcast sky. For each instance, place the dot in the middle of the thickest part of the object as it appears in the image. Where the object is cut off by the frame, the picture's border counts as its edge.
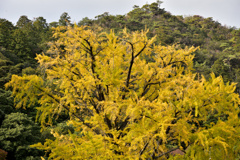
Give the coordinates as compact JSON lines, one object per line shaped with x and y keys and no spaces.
{"x":226,"y":12}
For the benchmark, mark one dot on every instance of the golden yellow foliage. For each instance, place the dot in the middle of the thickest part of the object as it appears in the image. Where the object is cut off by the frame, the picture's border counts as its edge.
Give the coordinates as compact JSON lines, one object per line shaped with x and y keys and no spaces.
{"x":128,"y":98}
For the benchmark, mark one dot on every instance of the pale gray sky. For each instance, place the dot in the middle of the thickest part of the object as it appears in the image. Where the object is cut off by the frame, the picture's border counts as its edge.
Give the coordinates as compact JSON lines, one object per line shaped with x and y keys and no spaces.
{"x":224,"y":11}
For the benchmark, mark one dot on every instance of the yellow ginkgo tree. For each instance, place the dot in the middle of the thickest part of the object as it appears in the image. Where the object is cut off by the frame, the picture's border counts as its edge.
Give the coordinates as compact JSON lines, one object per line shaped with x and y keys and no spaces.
{"x":128,"y":98}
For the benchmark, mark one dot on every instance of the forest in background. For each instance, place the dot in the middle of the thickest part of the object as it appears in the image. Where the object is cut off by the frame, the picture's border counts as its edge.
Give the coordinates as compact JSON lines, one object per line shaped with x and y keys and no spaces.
{"x":219,"y":53}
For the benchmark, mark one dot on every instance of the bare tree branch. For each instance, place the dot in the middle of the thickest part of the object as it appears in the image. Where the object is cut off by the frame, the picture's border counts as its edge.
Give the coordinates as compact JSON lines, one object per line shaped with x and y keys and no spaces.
{"x":131,"y":64}
{"x":166,"y":152}
{"x":144,"y":148}
{"x":145,"y":45}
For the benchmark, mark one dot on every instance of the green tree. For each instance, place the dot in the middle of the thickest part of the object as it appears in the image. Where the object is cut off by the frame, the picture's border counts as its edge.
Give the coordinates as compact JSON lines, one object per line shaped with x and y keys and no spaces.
{"x":85,"y":22}
{"x":41,"y":28}
{"x":6,"y":29}
{"x":21,"y":45}
{"x":5,"y":66}
{"x":40,"y":24}
{"x":23,"y":21}
{"x":64,"y":20}
{"x":53,"y":24}
{"x":17,"y":132}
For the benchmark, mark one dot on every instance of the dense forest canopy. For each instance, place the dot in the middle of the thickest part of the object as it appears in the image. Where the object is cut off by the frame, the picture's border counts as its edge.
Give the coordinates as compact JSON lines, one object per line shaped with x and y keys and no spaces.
{"x":135,"y":86}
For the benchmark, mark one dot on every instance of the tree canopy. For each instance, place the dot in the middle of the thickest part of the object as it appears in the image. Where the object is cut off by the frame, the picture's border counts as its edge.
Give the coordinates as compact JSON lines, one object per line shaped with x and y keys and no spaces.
{"x":128,"y":98}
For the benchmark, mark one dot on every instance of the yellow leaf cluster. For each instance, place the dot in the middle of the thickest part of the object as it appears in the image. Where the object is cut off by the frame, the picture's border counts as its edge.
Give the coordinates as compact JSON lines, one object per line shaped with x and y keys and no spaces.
{"x":128,"y":98}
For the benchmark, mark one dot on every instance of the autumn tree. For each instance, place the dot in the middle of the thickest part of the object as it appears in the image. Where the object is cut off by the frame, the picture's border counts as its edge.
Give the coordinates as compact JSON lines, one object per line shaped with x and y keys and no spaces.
{"x":127,"y":98}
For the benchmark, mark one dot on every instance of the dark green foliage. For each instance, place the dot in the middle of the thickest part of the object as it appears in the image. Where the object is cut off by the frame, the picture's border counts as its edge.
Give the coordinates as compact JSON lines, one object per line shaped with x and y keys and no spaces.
{"x":8,"y":68}
{"x":64,"y":19}
{"x":219,"y":68}
{"x":41,"y":29}
{"x":6,"y":29}
{"x":28,"y":71}
{"x":53,"y":24}
{"x":21,"y":45}
{"x":5,"y":66}
{"x":85,"y":22}
{"x":6,"y":103}
{"x":23,"y":21}
{"x":17,"y":132}
{"x":63,"y":128}
{"x":18,"y":47}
